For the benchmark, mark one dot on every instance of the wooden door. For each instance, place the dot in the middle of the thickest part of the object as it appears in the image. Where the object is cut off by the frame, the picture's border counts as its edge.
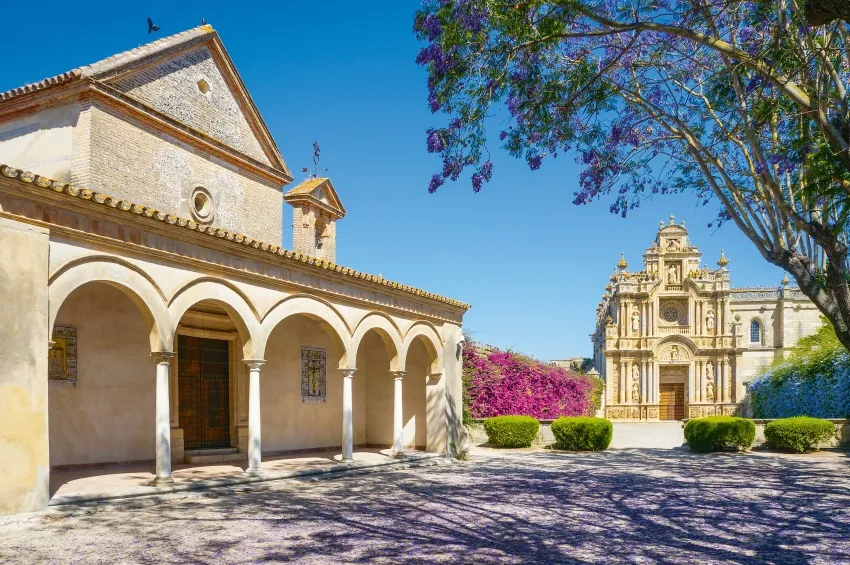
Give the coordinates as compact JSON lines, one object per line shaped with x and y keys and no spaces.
{"x":672,"y":401}
{"x":203,"y":377}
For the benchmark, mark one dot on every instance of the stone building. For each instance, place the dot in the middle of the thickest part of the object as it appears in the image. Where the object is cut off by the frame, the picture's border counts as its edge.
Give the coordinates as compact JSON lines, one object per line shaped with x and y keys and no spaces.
{"x":676,"y":341}
{"x":150,"y":312}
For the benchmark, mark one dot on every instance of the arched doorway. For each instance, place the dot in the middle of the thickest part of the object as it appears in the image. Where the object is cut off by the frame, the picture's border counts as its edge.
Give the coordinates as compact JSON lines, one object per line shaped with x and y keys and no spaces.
{"x":107,"y":414}
{"x":301,"y":398}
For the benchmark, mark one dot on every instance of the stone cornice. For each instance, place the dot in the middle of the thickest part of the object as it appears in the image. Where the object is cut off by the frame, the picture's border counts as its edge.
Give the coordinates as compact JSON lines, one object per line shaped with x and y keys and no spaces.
{"x":27,"y":185}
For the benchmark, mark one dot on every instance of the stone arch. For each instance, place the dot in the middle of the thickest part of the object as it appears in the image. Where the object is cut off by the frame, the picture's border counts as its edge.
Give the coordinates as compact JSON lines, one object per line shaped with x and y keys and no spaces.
{"x":123,"y":275}
{"x":322,"y":312}
{"x":386,"y":328}
{"x":234,"y":302}
{"x":433,"y":344}
{"x":688,"y":349}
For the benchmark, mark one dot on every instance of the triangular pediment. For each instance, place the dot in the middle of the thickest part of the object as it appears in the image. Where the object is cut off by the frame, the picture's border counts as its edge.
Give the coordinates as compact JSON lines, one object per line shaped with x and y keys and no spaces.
{"x":190,"y":78}
{"x":319,"y":192}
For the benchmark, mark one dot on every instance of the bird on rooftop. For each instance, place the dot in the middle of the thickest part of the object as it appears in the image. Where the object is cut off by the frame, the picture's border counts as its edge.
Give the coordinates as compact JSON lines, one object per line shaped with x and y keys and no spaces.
{"x":151,"y":26}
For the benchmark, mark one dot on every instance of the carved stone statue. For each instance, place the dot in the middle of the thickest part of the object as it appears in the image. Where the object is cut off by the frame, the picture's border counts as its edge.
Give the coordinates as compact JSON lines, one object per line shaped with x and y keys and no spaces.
{"x":635,"y":392}
{"x":635,"y":373}
{"x":709,"y":320}
{"x":709,"y":390}
{"x":635,"y":322}
{"x":709,"y":371}
{"x":673,"y":245}
{"x":674,"y":353}
{"x":672,"y":275}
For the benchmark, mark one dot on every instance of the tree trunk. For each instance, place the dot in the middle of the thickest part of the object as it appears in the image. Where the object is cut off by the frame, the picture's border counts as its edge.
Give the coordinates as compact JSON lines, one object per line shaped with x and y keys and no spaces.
{"x":821,"y":12}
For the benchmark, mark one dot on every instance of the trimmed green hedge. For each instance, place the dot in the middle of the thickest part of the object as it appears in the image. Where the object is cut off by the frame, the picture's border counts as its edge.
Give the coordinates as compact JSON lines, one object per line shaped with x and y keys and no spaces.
{"x":511,"y":431}
{"x":798,"y":434}
{"x":582,"y":433}
{"x":716,"y":432}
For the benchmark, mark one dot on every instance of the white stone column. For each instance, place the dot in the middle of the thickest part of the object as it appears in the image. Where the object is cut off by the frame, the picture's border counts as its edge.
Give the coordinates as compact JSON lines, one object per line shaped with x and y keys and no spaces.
{"x":721,"y":393}
{"x":347,"y":415}
{"x":398,"y":420}
{"x":644,"y":383}
{"x":255,"y":450}
{"x":163,"y":420}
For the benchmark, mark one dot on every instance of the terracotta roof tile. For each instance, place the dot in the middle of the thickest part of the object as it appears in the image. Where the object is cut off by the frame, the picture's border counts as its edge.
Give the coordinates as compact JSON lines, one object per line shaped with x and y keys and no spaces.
{"x":26,"y":178}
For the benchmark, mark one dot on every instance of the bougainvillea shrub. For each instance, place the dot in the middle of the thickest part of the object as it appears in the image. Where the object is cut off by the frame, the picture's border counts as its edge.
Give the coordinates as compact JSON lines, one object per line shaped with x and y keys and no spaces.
{"x":499,"y":383}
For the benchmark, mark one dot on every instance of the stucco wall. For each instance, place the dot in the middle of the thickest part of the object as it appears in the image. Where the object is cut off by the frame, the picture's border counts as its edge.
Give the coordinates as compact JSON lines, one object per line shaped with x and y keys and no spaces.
{"x":24,"y":463}
{"x":373,"y":367}
{"x":128,"y":162}
{"x":288,"y":423}
{"x":413,"y":394}
{"x":109,"y":415}
{"x":42,"y":142}
{"x":172,"y":88}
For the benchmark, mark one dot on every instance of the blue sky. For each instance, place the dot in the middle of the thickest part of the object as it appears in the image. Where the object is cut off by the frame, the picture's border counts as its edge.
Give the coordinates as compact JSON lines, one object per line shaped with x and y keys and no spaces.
{"x":532,"y":264}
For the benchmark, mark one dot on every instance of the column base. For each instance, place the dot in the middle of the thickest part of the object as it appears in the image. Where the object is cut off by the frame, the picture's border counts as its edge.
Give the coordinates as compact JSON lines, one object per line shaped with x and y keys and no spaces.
{"x":254,"y":472}
{"x":398,"y":455}
{"x":347,"y":460}
{"x":162,"y":482}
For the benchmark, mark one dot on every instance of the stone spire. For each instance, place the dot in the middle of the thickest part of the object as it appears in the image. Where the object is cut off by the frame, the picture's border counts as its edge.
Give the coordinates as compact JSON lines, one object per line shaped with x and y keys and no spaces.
{"x":723,"y":261}
{"x":622,"y":264}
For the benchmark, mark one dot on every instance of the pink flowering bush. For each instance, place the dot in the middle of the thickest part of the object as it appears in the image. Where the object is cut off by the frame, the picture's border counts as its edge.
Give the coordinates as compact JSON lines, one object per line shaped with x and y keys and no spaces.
{"x":500,"y":383}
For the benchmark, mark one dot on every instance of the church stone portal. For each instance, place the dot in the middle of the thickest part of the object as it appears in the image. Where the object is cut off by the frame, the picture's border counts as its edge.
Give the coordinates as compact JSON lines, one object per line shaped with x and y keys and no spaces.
{"x":676,"y":341}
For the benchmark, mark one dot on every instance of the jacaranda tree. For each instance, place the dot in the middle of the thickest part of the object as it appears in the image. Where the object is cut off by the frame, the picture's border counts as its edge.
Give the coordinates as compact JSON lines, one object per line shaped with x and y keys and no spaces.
{"x":743,"y":104}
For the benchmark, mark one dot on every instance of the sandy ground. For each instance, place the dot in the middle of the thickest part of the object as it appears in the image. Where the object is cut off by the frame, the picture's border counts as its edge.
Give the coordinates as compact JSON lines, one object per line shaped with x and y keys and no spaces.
{"x":619,"y":506}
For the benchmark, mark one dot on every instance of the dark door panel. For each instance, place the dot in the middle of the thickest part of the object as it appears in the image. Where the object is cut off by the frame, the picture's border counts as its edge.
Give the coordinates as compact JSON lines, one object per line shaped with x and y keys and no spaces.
{"x":203,"y":368}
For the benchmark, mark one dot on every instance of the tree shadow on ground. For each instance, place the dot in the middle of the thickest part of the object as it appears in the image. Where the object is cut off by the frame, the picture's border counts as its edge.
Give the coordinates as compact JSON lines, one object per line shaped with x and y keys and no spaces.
{"x":626,"y":506}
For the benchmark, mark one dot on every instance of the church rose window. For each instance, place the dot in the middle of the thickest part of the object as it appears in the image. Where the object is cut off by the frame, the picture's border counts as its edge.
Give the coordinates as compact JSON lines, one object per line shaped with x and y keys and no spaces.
{"x":670,"y":313}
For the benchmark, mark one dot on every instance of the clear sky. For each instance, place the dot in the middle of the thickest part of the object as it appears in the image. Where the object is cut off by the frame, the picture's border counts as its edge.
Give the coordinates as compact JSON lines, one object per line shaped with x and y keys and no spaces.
{"x":532,"y":264}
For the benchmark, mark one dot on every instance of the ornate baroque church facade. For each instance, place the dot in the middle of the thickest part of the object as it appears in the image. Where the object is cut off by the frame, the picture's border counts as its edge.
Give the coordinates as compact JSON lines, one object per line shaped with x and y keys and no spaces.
{"x":150,"y":311}
{"x":676,"y":341}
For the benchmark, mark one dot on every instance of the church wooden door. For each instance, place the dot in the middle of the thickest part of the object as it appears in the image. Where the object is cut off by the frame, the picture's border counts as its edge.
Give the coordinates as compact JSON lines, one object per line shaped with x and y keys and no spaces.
{"x":203,"y":376}
{"x":672,"y":401}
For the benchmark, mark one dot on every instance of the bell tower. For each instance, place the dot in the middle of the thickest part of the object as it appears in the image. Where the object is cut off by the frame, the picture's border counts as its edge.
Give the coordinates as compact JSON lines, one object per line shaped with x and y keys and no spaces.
{"x":316,"y":208}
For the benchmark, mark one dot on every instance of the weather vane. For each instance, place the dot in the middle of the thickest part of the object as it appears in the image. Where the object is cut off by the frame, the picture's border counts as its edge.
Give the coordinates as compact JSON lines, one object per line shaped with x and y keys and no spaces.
{"x":316,"y":155}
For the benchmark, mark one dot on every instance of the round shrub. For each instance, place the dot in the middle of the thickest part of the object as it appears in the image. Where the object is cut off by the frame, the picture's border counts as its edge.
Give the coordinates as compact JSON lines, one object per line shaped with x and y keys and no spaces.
{"x":798,"y":434}
{"x":582,"y":433}
{"x":511,"y":431}
{"x":716,"y":432}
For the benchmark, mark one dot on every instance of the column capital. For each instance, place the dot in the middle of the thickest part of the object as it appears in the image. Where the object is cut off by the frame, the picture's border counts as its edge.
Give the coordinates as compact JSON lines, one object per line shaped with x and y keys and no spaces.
{"x":398,"y":374}
{"x":433,"y":376}
{"x":254,"y":363}
{"x":348,"y":373}
{"x":162,"y":356}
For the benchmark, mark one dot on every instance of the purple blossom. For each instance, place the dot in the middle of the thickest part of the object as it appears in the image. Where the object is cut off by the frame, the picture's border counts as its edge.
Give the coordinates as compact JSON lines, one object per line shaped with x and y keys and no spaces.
{"x":476,"y":182}
{"x":432,"y":27}
{"x":436,"y":182}
{"x":433,"y":103}
{"x":435,"y":141}
{"x":487,"y":170}
{"x":534,"y":162}
{"x":502,"y":135}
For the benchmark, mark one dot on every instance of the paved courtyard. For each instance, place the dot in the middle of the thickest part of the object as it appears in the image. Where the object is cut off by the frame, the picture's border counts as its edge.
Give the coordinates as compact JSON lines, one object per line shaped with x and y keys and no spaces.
{"x":620,"y":506}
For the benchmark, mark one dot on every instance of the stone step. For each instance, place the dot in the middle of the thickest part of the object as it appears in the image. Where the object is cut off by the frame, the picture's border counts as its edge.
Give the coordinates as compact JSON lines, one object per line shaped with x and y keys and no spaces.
{"x":214,"y":455}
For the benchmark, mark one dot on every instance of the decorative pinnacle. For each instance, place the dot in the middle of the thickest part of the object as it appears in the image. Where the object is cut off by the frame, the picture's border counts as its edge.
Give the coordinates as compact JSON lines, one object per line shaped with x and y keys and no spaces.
{"x":785,"y":281}
{"x":672,"y":219}
{"x":622,"y":264}
{"x":723,"y":260}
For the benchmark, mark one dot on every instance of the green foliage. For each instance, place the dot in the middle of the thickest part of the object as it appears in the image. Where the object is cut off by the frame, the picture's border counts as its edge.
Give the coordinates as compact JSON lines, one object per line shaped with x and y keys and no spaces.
{"x":596,"y":392}
{"x":582,"y":433}
{"x":798,"y":434}
{"x":822,"y":342}
{"x":716,"y":432}
{"x":511,"y":431}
